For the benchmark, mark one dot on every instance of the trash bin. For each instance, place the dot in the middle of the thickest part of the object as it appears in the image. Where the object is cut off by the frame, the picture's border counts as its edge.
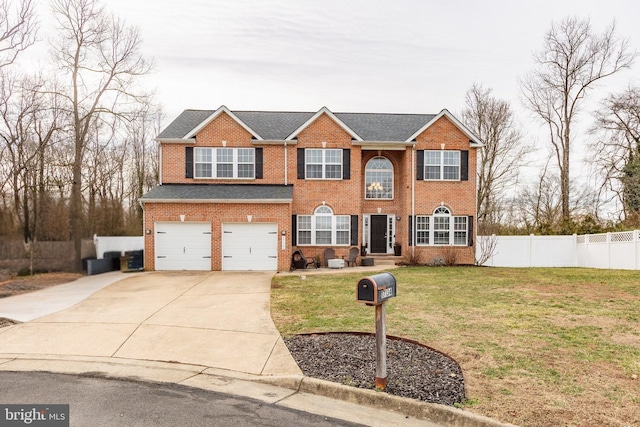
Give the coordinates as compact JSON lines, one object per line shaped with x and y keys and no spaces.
{"x":124,"y":263}
{"x":136,"y":263}
{"x":114,"y":256}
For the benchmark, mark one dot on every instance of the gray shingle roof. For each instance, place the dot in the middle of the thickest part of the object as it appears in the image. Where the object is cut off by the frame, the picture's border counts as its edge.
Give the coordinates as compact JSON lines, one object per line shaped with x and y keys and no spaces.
{"x":219,"y":192}
{"x":384,"y":127}
{"x":185,"y":123}
{"x":277,"y":125}
{"x":273,"y":124}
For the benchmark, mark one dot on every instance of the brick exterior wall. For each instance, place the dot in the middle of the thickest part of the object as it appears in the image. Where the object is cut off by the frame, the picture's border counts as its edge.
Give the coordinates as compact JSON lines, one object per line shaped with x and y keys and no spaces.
{"x":344,"y":197}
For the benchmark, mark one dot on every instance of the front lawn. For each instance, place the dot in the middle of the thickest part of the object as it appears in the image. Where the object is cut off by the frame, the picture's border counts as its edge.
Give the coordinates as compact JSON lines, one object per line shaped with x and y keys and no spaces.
{"x":538,"y":347}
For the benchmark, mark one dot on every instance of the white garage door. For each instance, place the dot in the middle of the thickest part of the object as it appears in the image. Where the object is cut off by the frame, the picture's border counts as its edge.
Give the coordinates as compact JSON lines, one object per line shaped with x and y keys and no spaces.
{"x":183,"y":245}
{"x":250,"y":246}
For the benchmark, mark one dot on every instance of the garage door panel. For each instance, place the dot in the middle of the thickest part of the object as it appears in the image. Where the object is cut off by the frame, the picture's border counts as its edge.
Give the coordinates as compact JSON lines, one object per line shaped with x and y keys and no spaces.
{"x":183,"y":246}
{"x":249,"y":246}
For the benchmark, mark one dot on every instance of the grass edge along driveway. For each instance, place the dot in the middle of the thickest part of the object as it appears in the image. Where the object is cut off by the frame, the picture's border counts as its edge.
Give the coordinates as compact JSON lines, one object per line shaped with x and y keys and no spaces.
{"x":538,"y":346}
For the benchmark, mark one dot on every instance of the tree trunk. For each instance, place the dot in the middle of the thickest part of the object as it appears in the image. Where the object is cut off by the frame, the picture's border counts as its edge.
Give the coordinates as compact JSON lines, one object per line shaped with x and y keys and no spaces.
{"x":76,"y":208}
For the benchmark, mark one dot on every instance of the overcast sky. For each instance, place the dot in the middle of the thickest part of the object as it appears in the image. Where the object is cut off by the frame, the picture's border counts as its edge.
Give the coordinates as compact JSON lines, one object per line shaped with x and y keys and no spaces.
{"x":396,"y":56}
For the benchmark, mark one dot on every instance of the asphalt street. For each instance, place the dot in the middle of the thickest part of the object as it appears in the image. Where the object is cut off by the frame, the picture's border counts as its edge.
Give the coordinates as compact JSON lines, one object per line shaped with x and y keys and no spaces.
{"x":97,"y":401}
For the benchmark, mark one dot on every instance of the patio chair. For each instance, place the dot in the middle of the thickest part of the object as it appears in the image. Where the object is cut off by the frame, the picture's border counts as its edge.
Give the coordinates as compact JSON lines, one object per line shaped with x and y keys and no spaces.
{"x":329,"y":254}
{"x":298,"y":261}
{"x":353,"y":254}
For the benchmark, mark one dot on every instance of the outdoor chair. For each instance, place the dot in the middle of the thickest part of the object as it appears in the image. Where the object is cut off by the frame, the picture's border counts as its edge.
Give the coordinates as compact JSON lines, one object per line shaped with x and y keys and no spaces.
{"x":353,"y":254}
{"x":329,"y":254}
{"x":298,"y":261}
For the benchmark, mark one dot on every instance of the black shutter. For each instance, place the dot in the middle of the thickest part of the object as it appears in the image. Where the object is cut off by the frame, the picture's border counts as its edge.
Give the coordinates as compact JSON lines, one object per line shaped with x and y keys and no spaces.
{"x":470,"y":228}
{"x":294,"y":230}
{"x":259,"y":163}
{"x":464,"y":165}
{"x":346,"y":163}
{"x":188,"y":155}
{"x":354,"y":230}
{"x":420,"y":165}
{"x":410,"y":230}
{"x":300,"y":163}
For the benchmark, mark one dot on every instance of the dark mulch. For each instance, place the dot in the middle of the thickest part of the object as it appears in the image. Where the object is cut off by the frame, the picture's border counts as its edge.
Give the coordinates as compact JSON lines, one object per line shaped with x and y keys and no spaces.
{"x":14,"y":288}
{"x":413,"y":370}
{"x":6,"y":322}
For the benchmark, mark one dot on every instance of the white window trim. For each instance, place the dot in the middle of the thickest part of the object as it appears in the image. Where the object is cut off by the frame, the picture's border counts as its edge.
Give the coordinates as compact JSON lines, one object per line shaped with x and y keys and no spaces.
{"x":451,"y":230}
{"x":334,"y":228}
{"x":392,"y":180}
{"x":323,"y":163}
{"x":442,"y":165}
{"x":213,"y":163}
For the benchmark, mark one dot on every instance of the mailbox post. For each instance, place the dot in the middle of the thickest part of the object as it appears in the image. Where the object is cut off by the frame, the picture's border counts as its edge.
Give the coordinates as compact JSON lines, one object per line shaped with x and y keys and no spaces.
{"x":375,"y":290}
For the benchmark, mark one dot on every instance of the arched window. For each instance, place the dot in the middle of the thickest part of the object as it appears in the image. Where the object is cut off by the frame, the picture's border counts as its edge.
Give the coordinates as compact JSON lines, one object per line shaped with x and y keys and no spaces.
{"x":441,"y":221}
{"x":441,"y":228}
{"x":323,"y":228}
{"x":378,"y":179}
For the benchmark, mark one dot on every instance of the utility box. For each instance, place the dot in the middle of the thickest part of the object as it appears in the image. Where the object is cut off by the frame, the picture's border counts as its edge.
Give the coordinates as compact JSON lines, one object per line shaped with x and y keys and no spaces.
{"x":376,"y":289}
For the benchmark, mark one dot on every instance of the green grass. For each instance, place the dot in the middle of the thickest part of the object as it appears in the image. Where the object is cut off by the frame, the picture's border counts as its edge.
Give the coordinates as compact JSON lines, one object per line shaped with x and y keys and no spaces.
{"x":543,"y":327}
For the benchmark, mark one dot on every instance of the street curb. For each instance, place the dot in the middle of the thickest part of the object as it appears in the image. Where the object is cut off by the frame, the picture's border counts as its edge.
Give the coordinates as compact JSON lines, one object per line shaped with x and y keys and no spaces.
{"x":436,"y":413}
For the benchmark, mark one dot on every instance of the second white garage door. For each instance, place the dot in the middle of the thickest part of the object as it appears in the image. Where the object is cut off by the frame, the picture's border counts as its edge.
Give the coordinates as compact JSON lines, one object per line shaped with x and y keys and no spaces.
{"x":250,"y":246}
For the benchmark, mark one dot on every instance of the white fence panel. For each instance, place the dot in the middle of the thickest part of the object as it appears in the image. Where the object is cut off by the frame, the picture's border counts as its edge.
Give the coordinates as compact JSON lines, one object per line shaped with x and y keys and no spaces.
{"x":119,"y":243}
{"x":533,"y":251}
{"x":607,"y":250}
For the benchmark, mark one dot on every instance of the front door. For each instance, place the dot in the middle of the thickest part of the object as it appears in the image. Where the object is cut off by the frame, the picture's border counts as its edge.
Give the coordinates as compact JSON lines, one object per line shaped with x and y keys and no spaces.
{"x":378,"y":234}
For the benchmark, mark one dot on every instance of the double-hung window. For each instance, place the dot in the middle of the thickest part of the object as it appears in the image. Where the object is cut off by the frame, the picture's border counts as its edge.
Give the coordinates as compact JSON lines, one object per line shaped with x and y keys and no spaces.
{"x":323,"y":228}
{"x":230,"y":163}
{"x":442,"y":165}
{"x":323,"y":163}
{"x":442,"y":228}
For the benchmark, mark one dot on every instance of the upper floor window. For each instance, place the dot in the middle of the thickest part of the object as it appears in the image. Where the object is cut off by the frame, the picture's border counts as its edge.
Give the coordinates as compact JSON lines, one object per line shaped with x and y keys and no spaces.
{"x":323,"y":163}
{"x":442,"y":228}
{"x":213,"y":162}
{"x":378,"y":179}
{"x":441,"y":165}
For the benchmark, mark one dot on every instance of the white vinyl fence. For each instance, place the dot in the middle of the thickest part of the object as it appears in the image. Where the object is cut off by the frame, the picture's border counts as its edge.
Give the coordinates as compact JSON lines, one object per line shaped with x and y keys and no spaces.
{"x":119,"y":243}
{"x":607,"y":250}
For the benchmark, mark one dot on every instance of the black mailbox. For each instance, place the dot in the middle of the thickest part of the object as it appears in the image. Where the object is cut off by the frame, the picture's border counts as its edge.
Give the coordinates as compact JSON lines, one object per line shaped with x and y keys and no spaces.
{"x":376,"y":289}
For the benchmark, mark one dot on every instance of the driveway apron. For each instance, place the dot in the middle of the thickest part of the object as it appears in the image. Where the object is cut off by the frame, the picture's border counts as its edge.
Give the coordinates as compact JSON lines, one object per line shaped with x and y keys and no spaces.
{"x":212,"y":319}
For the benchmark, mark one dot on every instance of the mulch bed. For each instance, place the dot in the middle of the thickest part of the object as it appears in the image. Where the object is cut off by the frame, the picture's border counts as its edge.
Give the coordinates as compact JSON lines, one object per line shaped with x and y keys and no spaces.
{"x":22,"y":285}
{"x":7,"y":322}
{"x":413,"y":370}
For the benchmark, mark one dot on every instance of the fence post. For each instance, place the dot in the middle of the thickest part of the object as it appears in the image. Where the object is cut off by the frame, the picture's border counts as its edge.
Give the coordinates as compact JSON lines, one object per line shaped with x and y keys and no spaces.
{"x":609,"y":250}
{"x":575,"y":250}
{"x":636,"y":237}
{"x":531,"y":236}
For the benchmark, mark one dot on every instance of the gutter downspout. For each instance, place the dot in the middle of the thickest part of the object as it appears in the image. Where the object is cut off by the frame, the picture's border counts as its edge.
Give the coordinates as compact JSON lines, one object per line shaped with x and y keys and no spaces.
{"x":413,"y":202}
{"x":286,"y":164}
{"x":159,"y":163}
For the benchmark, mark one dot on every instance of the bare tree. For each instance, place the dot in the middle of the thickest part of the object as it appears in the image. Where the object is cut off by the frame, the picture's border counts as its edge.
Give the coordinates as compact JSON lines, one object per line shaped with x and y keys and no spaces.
{"x":101,"y":59}
{"x":617,"y":151}
{"x":27,"y":129}
{"x":573,"y":60}
{"x":492,"y":120}
{"x":17,"y":29}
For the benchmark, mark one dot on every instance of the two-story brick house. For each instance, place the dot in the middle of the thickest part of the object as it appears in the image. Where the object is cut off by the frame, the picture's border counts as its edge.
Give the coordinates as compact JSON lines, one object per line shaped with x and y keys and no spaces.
{"x":242,"y":190}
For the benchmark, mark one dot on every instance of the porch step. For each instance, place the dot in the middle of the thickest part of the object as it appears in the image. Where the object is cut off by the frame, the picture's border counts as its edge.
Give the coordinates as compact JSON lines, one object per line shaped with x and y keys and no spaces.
{"x":386,"y":259}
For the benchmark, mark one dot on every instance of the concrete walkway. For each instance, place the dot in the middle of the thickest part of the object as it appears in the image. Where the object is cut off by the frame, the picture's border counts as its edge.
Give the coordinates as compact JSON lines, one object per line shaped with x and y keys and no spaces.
{"x":210,"y":330}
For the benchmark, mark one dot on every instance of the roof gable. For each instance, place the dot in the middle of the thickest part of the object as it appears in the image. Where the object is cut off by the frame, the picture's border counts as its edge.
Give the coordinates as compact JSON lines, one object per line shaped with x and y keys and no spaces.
{"x":324,"y":110}
{"x":473,"y":140}
{"x":215,"y":114}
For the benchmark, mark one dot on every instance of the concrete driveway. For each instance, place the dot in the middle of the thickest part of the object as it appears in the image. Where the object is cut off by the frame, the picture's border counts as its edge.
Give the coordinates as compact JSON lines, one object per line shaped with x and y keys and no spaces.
{"x":218,"y":320}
